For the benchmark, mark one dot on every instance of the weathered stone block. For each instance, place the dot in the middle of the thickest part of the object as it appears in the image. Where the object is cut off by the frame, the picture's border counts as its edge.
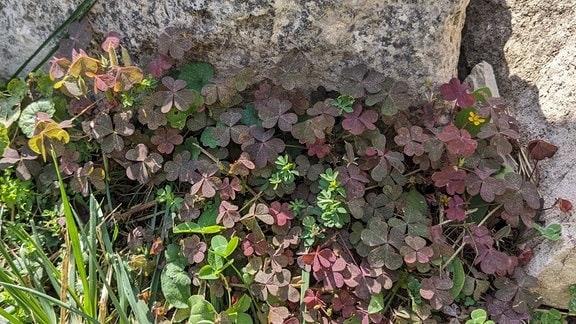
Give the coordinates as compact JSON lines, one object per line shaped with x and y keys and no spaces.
{"x":531,"y":45}
{"x":409,"y":40}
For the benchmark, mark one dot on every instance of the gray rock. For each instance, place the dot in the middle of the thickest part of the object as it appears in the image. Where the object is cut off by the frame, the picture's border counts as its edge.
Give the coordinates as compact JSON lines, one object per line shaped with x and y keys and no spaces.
{"x":409,"y":40}
{"x":531,"y":45}
{"x":481,"y":76}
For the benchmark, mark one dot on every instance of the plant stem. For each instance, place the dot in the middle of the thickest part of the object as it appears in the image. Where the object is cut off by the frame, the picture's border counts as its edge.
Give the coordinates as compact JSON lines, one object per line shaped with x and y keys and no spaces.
{"x":461,"y":247}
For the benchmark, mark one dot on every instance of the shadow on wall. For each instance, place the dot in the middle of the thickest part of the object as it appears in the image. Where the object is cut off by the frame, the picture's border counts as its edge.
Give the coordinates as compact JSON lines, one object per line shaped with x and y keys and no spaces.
{"x":487,"y":28}
{"x":538,"y":49}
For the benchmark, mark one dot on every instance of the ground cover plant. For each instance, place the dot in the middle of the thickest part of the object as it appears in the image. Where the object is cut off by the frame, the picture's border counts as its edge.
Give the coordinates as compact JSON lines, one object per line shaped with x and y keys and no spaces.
{"x":191,"y":195}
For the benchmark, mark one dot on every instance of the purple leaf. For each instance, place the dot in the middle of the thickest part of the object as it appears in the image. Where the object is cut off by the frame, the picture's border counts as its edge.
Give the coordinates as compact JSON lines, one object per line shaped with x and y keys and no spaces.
{"x":357,"y":121}
{"x":454,"y":90}
{"x":266,"y":149}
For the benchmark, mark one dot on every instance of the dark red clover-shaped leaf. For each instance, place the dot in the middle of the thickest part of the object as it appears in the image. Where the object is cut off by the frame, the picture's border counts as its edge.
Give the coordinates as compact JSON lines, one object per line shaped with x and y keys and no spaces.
{"x":353,"y":180}
{"x":380,"y":160}
{"x":359,"y":80}
{"x":261,"y":212}
{"x":174,"y":42}
{"x":455,"y":210}
{"x":517,"y":191}
{"x":176,"y":95}
{"x":319,"y":148}
{"x":265,"y":148}
{"x":151,"y":116}
{"x":357,"y":121}
{"x":228,"y":214}
{"x":416,"y":250}
{"x":384,"y":242}
{"x":412,"y":140}
{"x":290,"y":71}
{"x":194,"y":249}
{"x":275,"y":111}
{"x":393,"y":97}
{"x":181,"y":168}
{"x":254,"y":244}
{"x":458,"y":141}
{"x":450,"y":177}
{"x":344,"y":303}
{"x":481,"y":182}
{"x":314,"y":128}
{"x":242,"y":166}
{"x":229,"y":130}
{"x":317,"y":260}
{"x":491,"y":260}
{"x":165,"y":139}
{"x":454,"y":90}
{"x":68,"y":163}
{"x":85,"y":175}
{"x":205,"y":183}
{"x":110,"y":136}
{"x":539,"y":150}
{"x":26,"y":167}
{"x":79,"y":36}
{"x":281,"y":213}
{"x":157,"y":66}
{"x":502,"y":312}
{"x":499,"y":132}
{"x":437,"y":291}
{"x":518,"y":291}
{"x":313,"y":299}
{"x":144,"y":164}
{"x":229,"y":188}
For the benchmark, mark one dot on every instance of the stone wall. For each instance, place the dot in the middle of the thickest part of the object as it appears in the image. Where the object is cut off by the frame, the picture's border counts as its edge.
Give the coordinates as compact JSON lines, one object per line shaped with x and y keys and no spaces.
{"x":532,"y":45}
{"x":410,"y":39}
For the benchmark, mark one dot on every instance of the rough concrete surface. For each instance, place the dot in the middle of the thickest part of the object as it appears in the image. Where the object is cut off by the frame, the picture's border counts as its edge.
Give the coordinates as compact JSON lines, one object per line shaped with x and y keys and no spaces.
{"x":532,"y":44}
{"x":410,"y":40}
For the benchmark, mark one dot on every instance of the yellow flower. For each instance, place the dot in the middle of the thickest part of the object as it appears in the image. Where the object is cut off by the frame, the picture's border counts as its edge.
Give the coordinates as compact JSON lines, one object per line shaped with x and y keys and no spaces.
{"x":445,"y":200}
{"x":474,"y":118}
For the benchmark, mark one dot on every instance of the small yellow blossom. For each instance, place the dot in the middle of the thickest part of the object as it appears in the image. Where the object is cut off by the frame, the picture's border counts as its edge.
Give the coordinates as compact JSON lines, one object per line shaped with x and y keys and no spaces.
{"x":474,"y":118}
{"x":445,"y":200}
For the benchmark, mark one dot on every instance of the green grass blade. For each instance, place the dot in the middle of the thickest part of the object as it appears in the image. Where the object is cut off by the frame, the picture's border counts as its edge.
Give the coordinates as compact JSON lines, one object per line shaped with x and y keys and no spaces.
{"x":74,"y":240}
{"x":9,"y":317}
{"x":51,"y":299}
{"x":126,"y":290}
{"x":25,"y":301}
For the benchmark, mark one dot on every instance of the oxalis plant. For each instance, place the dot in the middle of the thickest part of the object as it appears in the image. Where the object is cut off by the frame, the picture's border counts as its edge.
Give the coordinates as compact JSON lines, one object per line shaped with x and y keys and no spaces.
{"x":247,"y":199}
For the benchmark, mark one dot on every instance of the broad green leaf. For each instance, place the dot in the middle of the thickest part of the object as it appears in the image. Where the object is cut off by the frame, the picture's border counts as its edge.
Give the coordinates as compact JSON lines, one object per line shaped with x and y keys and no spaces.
{"x":175,"y":284}
{"x":9,"y":110}
{"x":207,"y":138}
{"x":243,"y":304}
{"x":4,"y":139}
{"x":201,"y":311}
{"x":197,"y":74}
{"x":209,"y":215}
{"x":416,"y":202}
{"x":27,"y":119}
{"x":480,"y":94}
{"x":218,"y":244}
{"x":207,"y":273}
{"x":17,"y":88}
{"x":191,"y":227}
{"x":242,"y":318}
{"x":231,"y":246}
{"x":376,"y":304}
{"x":250,"y":116}
{"x":458,"y":278}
